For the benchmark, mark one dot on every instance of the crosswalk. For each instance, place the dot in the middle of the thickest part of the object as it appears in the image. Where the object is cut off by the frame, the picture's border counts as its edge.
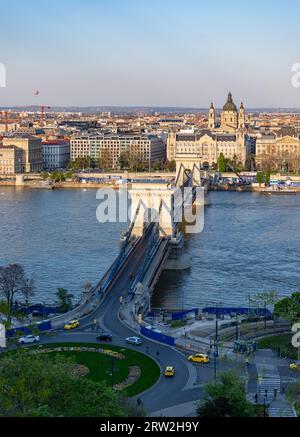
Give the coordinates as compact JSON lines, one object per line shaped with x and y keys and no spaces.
{"x":269,"y":390}
{"x":280,"y":409}
{"x":268,"y":385}
{"x":269,"y":379}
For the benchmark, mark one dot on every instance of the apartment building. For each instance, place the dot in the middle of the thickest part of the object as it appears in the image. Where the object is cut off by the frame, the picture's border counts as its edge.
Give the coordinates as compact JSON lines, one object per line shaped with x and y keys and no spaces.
{"x":55,"y":154}
{"x":80,"y":147}
{"x":109,"y":147}
{"x":32,"y":151}
{"x":11,"y":160}
{"x":279,"y":149}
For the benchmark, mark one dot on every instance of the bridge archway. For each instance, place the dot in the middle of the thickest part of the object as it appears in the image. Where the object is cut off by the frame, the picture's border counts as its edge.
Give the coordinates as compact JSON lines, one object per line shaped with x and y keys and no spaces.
{"x":159,"y":200}
{"x":187,"y":166}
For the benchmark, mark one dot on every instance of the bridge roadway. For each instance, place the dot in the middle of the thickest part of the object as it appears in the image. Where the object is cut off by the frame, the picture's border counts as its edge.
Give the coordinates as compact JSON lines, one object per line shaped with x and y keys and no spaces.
{"x":167,"y":392}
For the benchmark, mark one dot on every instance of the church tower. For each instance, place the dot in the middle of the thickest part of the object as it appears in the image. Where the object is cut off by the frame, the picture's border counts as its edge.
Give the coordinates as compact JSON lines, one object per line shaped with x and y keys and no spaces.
{"x":242,"y":117}
{"x":212,"y":118}
{"x":229,"y":116}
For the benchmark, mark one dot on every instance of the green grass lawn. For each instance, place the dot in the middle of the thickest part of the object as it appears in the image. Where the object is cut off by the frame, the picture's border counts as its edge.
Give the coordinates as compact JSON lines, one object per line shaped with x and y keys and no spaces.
{"x":280,"y":340}
{"x":281,"y":343}
{"x":101,"y":366}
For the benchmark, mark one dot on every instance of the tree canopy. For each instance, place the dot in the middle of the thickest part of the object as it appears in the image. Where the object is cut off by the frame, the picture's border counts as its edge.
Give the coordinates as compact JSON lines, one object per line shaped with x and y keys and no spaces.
{"x":288,"y":308}
{"x":64,"y":299}
{"x":32,"y":385}
{"x":14,"y":282}
{"x":222,"y":165}
{"x":226,"y":398}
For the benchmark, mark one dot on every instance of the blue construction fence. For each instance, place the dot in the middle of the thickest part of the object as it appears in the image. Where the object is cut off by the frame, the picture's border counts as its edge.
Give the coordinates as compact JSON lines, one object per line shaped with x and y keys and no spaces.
{"x":217,"y":311}
{"x":38,"y":309}
{"x":183,"y":314}
{"x":26,"y":330}
{"x":157,"y":336}
{"x":240,"y":311}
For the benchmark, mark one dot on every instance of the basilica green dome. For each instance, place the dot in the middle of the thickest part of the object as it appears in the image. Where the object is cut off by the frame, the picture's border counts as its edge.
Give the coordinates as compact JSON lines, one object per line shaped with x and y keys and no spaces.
{"x":229,"y":105}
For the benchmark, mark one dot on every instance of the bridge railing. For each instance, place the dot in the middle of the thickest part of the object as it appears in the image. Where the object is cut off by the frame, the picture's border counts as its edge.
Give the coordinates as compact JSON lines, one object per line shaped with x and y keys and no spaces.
{"x":98,"y":293}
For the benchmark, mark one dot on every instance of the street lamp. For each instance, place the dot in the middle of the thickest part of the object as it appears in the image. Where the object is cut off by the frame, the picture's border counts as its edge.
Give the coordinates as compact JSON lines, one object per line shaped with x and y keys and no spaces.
{"x":216,"y":350}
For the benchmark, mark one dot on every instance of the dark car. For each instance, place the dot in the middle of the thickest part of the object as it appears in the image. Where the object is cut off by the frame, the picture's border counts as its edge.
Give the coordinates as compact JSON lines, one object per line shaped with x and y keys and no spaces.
{"x":104,"y":337}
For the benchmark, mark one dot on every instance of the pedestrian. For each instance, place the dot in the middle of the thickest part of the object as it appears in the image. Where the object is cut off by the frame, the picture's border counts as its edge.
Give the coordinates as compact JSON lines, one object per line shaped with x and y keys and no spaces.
{"x":139,"y":402}
{"x":275,"y":393}
{"x":266,"y":393}
{"x":256,"y":398}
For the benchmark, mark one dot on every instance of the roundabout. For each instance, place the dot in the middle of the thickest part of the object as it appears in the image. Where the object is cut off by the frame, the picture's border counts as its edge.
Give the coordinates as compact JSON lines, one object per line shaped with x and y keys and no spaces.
{"x":125,"y":370}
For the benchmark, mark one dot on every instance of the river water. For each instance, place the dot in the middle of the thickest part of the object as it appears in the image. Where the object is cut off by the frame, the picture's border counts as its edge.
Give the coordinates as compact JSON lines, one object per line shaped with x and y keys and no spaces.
{"x":250,"y":244}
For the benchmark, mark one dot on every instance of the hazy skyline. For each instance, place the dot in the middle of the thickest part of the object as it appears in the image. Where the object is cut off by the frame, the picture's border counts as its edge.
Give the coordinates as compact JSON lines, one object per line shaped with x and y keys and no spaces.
{"x":149,"y":53}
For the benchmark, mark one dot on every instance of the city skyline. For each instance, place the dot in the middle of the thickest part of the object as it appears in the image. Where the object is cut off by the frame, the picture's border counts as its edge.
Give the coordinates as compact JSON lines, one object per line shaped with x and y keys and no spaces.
{"x":163,"y":55}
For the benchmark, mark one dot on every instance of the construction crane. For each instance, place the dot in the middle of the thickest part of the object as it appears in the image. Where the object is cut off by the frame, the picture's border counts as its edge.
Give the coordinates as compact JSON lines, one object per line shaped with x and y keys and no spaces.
{"x":242,"y":180}
{"x":43,"y":118}
{"x":5,"y":114}
{"x":42,"y":108}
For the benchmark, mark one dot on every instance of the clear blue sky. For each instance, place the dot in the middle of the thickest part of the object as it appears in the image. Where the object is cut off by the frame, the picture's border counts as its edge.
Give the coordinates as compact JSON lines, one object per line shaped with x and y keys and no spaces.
{"x":149,"y":52}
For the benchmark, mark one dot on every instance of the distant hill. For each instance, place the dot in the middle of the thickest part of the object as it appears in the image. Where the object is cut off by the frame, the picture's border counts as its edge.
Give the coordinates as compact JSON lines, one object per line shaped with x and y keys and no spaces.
{"x":137,"y":109}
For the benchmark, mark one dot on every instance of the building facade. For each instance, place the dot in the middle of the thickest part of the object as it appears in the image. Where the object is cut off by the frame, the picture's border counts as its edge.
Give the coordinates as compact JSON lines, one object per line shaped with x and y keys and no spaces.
{"x":228,"y":136}
{"x":208,"y":146}
{"x":80,"y":147}
{"x":109,"y":147}
{"x":32,"y":148}
{"x":11,"y":160}
{"x":55,"y":154}
{"x":278,"y":150}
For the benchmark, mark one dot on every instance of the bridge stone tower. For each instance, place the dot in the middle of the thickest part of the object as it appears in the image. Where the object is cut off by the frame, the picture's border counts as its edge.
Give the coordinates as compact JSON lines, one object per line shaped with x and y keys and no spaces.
{"x":154,"y":202}
{"x":187,"y":163}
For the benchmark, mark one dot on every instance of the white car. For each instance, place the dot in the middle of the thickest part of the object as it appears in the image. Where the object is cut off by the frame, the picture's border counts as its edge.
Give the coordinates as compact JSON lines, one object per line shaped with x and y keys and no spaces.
{"x":136,"y":341}
{"x":29,"y":339}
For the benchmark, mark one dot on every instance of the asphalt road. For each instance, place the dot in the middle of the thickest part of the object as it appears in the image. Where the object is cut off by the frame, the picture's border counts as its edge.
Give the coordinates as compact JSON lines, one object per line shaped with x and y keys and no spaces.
{"x":166,"y":392}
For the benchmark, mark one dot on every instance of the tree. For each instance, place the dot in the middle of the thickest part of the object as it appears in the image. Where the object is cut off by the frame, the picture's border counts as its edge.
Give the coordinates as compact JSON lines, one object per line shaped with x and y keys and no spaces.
{"x":226,"y":398}
{"x":288,"y":308}
{"x":35,"y":385}
{"x":28,"y":290}
{"x":265,"y":299}
{"x":106,"y":160}
{"x":13,"y":281}
{"x":263,"y":177}
{"x":293,"y":395}
{"x":260,"y":178}
{"x":58,"y":176}
{"x":250,"y":163}
{"x":64,"y":299}
{"x":124,"y":160}
{"x":222,"y":165}
{"x":157,"y":165}
{"x":82,"y":163}
{"x":170,"y":165}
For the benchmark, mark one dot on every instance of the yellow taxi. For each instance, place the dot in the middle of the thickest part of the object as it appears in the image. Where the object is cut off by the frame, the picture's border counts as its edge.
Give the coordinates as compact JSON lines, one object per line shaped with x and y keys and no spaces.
{"x":170,"y":372}
{"x":295,"y":366}
{"x":72,"y":325}
{"x":199,"y":358}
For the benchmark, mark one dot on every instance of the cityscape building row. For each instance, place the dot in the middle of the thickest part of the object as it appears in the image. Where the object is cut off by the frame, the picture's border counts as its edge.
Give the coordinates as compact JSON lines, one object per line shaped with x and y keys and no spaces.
{"x":31,"y":146}
{"x":109,"y":147}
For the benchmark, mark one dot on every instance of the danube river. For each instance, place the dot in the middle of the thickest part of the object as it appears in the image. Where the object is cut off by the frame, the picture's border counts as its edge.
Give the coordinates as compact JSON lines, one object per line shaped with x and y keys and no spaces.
{"x":250,"y":244}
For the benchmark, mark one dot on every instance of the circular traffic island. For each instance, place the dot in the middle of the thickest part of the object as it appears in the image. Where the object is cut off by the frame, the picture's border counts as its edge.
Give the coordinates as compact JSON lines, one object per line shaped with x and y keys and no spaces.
{"x":126,"y":371}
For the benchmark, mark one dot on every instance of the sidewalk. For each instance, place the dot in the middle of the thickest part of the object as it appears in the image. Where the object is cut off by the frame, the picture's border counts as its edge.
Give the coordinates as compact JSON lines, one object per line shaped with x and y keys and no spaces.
{"x":266,"y":382}
{"x":183,"y":410}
